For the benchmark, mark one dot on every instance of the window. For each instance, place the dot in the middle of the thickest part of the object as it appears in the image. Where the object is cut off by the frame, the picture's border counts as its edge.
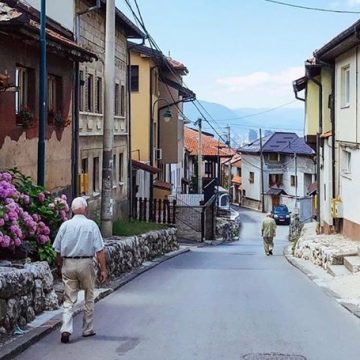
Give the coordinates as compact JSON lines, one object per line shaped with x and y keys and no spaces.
{"x":121,"y":167}
{"x":275,"y":179}
{"x":95,"y":175}
{"x":54,"y":93}
{"x":345,"y":86}
{"x":84,"y":186}
{"x":122,"y":100}
{"x":117,"y":99}
{"x":89,"y":93}
{"x":81,"y":95}
{"x":134,"y":78}
{"x":293,"y":180}
{"x":99,"y":92}
{"x":251,"y":177}
{"x":238,"y":171}
{"x":208,"y":168}
{"x":275,"y":157}
{"x":114,"y":170}
{"x":24,"y":81}
{"x":346,"y":162}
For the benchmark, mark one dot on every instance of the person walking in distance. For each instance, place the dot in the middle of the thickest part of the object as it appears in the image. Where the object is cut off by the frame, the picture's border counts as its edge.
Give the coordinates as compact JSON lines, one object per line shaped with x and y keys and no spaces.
{"x":268,"y":232}
{"x":76,"y":244}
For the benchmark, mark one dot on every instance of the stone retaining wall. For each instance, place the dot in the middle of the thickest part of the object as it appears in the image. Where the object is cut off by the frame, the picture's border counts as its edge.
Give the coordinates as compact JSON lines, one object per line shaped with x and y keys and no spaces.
{"x":227,"y":229}
{"x":24,"y":293}
{"x":27,"y":290}
{"x":125,"y":254}
{"x":324,"y":250}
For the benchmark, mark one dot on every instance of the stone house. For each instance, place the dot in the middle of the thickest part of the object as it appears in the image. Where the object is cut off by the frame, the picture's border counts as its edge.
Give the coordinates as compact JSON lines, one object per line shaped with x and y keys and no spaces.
{"x":91,"y":25}
{"x":288,"y":170}
{"x":331,"y":85}
{"x":19,"y":98}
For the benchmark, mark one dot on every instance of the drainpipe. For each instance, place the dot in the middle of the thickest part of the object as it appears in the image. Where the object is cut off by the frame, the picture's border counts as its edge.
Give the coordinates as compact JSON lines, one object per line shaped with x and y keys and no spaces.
{"x":318,"y":146}
{"x":333,"y":144}
{"x":151,"y":147}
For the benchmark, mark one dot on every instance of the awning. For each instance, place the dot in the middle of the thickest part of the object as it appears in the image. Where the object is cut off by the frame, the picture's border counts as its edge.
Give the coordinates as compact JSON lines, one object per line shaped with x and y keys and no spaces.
{"x":312,"y":189}
{"x":162,"y":185}
{"x":187,"y":94}
{"x":326,"y":135}
{"x":142,"y":166}
{"x":236,"y":180}
{"x":275,"y":192}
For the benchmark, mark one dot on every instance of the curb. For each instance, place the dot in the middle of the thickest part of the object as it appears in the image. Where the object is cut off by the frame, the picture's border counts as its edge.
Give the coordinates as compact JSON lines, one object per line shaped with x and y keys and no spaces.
{"x":20,"y":344}
{"x":353,"y":309}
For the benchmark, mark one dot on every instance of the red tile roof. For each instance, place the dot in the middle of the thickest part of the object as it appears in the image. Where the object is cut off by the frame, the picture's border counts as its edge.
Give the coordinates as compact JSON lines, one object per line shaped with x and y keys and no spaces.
{"x":162,"y":185}
{"x":236,"y":180}
{"x":210,"y":145}
{"x":140,"y":165}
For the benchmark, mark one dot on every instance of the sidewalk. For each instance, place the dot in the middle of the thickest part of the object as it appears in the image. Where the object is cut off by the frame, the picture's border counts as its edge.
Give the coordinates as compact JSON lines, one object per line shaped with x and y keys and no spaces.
{"x":50,"y":320}
{"x":327,"y":260}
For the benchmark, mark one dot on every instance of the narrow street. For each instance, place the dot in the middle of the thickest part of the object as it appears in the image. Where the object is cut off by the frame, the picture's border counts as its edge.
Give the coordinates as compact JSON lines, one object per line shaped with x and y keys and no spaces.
{"x":215,"y":303}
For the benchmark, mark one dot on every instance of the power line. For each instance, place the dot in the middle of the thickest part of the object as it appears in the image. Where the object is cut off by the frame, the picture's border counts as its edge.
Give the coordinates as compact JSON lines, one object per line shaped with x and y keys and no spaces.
{"x":313,"y":8}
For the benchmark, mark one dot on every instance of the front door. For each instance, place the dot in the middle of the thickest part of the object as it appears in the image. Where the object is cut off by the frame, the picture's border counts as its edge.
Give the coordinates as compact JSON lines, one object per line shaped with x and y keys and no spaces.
{"x":275,"y":200}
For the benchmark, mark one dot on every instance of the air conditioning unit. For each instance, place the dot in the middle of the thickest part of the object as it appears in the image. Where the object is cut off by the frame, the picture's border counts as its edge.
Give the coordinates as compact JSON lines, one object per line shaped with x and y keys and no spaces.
{"x":157,"y":154}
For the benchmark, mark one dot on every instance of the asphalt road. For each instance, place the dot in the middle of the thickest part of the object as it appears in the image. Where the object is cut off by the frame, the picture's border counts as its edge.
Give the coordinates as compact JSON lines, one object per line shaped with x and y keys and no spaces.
{"x":226,"y":302}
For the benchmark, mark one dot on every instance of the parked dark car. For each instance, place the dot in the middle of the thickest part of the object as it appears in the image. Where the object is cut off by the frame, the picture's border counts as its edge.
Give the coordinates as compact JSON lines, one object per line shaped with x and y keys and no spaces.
{"x":281,"y":214}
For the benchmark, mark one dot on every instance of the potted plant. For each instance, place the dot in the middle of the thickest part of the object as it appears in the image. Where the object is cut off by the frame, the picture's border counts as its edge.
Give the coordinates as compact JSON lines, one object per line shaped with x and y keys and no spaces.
{"x":25,"y":117}
{"x":59,"y":120}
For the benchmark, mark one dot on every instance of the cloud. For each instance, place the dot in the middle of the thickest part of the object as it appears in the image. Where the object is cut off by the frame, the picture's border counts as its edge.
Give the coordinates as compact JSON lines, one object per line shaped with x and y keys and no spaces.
{"x":353,"y":2}
{"x":260,"y":79}
{"x":259,"y":89}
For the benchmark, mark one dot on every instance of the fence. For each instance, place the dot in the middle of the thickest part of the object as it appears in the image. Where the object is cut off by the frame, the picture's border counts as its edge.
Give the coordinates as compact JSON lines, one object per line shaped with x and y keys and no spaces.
{"x":161,"y":211}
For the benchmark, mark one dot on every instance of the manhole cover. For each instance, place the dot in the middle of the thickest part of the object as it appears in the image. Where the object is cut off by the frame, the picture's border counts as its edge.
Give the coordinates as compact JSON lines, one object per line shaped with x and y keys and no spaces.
{"x":273,"y":356}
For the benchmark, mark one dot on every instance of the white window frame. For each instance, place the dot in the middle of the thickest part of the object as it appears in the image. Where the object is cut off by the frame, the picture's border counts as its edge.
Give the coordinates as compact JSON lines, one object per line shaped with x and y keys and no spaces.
{"x":22,"y":85}
{"x":345,"y":86}
{"x":345,"y":162}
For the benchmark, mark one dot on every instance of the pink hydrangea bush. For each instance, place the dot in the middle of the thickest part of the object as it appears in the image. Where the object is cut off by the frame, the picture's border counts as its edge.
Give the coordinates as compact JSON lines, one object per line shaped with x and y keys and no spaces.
{"x":27,"y":212}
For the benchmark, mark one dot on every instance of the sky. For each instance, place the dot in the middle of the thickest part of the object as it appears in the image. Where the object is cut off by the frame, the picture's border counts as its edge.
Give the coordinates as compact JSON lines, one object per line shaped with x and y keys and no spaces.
{"x":243,"y":53}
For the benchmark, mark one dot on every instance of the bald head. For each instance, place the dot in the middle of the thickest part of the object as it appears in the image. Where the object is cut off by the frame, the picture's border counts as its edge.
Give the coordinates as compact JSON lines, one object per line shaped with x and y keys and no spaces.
{"x":79,"y":205}
{"x":269,"y":214}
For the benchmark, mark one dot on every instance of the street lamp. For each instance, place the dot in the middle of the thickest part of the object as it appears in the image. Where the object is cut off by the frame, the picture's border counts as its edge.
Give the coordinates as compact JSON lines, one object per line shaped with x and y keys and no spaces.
{"x":167,"y":115}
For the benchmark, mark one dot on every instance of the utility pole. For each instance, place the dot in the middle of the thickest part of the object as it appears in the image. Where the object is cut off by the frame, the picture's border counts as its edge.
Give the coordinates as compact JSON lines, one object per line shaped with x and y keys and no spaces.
{"x":262,"y":173}
{"x":42,"y":97}
{"x":108,"y":137}
{"x":229,"y":146}
{"x":199,"y":123}
{"x":296,"y":180}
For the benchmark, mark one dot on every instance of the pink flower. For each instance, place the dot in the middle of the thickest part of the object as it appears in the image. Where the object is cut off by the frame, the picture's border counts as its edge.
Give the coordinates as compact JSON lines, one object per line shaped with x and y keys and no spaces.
{"x":41,"y":197}
{"x":2,"y":222}
{"x":43,"y":239}
{"x":63,"y":196}
{"x":17,"y":242}
{"x":6,"y":241}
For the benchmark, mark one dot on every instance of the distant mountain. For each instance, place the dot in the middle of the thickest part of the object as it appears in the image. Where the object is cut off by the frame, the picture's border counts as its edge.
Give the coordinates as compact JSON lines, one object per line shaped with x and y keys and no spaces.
{"x":243,"y":120}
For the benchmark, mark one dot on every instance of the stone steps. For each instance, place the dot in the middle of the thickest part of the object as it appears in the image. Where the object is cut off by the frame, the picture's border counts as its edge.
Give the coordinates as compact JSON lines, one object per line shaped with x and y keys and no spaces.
{"x":352,"y":263}
{"x":338,"y":270}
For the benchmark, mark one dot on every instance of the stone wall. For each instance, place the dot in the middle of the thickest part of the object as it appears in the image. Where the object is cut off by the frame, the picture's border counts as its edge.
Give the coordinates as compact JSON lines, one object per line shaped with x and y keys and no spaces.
{"x":323,"y":250}
{"x":227,"y":229}
{"x":25,"y":291}
{"x":125,"y":254}
{"x":188,"y":222}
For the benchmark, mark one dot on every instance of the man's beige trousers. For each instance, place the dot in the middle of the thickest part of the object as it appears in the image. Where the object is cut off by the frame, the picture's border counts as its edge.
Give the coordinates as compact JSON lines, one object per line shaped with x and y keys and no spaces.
{"x":268,"y":244}
{"x":78,"y":274}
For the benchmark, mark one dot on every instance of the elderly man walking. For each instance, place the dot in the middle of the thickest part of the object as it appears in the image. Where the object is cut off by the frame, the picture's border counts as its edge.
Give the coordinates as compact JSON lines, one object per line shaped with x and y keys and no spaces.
{"x":268,"y":232}
{"x":76,"y":244}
